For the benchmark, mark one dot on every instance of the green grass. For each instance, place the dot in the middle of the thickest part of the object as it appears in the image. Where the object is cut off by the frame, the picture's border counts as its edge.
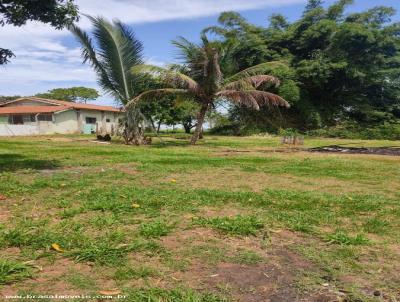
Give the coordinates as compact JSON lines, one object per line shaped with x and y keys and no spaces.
{"x":155,"y":229}
{"x":340,"y":237}
{"x":12,"y":271}
{"x":238,"y":225}
{"x":128,"y":273}
{"x":174,"y":295}
{"x":80,"y":281}
{"x":234,"y":202}
{"x":247,"y":257}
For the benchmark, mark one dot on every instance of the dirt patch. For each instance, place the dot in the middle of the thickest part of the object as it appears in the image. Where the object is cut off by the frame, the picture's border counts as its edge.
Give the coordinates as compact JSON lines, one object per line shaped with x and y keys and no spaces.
{"x":226,"y":211}
{"x":255,"y":151}
{"x":274,"y":279}
{"x":176,"y":241}
{"x":262,"y":282}
{"x":395,"y":151}
{"x":4,"y":215}
{"x":60,"y":139}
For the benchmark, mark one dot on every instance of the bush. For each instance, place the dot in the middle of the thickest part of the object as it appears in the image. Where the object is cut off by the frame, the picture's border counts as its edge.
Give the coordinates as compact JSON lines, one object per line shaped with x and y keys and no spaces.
{"x":356,"y":131}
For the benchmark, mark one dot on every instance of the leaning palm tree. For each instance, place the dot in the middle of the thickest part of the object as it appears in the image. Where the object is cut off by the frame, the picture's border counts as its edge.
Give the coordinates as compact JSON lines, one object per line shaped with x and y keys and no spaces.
{"x":204,"y":83}
{"x":112,"y":56}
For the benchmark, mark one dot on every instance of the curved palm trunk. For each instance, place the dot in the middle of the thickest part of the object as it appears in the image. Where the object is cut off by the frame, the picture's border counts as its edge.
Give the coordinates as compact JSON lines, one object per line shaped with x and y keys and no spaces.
{"x":200,"y":120}
{"x":133,"y":132}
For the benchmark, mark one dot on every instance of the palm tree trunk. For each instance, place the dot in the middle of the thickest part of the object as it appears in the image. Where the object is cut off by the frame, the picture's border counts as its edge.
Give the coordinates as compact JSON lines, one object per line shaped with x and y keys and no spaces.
{"x":200,"y":120}
{"x":133,"y":132}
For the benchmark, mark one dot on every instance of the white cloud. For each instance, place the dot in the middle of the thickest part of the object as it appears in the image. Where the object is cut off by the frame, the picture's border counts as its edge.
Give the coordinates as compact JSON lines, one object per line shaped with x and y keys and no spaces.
{"x":140,"y":11}
{"x":43,"y":61}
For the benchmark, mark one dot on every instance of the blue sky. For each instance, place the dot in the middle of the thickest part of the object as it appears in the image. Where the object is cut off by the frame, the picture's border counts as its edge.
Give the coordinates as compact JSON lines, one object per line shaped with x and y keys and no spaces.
{"x":48,"y":59}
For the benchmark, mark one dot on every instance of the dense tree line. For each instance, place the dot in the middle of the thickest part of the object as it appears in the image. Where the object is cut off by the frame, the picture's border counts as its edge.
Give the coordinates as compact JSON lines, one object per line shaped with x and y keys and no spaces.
{"x":335,"y":69}
{"x":339,"y":68}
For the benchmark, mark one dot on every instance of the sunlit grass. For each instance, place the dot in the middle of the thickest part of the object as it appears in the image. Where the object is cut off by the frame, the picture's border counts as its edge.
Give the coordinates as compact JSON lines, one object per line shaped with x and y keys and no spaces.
{"x":142,"y":214}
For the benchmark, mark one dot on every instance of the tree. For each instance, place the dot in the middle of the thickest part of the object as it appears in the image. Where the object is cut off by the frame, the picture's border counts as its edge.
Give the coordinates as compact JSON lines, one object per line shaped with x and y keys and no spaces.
{"x":204,"y":82}
{"x":115,"y":52}
{"x":171,"y":111}
{"x":185,"y":113}
{"x":57,"y":13}
{"x":341,"y":67}
{"x":73,"y":94}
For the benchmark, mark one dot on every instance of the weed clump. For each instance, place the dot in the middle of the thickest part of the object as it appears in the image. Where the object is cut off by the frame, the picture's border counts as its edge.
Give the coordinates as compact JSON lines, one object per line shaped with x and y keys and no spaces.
{"x":238,"y":225}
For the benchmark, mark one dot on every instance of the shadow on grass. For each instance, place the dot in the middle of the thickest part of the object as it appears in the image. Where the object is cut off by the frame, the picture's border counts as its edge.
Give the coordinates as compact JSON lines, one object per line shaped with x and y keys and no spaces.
{"x":13,"y":162}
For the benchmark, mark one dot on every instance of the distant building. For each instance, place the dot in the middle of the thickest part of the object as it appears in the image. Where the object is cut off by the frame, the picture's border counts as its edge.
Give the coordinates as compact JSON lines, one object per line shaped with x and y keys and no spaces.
{"x":37,"y":116}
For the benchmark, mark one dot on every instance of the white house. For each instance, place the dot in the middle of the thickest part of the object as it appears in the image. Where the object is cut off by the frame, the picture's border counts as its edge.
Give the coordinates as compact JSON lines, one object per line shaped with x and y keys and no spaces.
{"x":36,"y":116}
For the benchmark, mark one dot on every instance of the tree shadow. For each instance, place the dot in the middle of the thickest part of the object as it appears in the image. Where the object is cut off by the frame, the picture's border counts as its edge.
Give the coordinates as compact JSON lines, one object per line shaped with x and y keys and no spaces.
{"x":13,"y":162}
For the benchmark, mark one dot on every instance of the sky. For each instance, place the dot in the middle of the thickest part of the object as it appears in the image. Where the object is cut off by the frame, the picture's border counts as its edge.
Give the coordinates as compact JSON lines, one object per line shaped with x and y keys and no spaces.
{"x":47,"y":58}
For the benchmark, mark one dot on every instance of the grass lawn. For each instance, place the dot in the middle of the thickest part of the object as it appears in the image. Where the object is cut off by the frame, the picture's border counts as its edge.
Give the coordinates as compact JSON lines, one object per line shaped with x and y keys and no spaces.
{"x":232,"y":219}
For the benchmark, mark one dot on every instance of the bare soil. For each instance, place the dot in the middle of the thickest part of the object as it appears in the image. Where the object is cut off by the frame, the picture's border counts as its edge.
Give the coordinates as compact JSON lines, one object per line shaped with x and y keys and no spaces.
{"x":392,"y":151}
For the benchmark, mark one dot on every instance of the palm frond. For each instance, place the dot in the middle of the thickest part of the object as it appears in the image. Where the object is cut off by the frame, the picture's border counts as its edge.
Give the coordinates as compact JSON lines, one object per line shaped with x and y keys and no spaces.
{"x":259,"y":69}
{"x":132,"y":47}
{"x":252,"y":82}
{"x":89,"y":55}
{"x":169,"y":76}
{"x":253,"y":98}
{"x":118,"y":52}
{"x":151,"y":95}
{"x":187,"y":50}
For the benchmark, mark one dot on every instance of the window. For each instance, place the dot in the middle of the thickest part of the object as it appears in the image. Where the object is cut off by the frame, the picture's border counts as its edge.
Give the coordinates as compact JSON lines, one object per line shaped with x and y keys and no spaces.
{"x":45,"y":117}
{"x":28,"y":118}
{"x":21,"y":119}
{"x":108,"y":120}
{"x":91,"y":120}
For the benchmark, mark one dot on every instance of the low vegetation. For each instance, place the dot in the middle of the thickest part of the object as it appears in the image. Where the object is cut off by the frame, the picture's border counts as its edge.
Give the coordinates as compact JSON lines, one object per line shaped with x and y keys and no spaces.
{"x":231,"y":219}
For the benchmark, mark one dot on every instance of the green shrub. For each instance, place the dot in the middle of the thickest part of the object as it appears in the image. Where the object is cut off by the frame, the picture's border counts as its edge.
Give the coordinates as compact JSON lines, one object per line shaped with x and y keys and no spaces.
{"x":356,"y":131}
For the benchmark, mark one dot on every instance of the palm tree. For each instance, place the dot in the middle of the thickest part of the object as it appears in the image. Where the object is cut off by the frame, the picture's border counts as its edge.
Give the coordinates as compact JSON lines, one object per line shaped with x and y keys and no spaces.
{"x":115,"y":51}
{"x":203,"y":81}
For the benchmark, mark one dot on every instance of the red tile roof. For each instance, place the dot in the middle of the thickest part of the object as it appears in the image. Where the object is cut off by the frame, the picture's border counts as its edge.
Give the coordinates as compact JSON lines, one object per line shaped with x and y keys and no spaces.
{"x":31,"y":109}
{"x":59,"y":104}
{"x":84,"y":106}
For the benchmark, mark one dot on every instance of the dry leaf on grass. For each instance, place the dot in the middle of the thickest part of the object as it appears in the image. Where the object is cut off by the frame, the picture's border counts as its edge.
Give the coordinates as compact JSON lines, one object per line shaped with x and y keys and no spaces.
{"x":57,"y":247}
{"x":3,"y":197}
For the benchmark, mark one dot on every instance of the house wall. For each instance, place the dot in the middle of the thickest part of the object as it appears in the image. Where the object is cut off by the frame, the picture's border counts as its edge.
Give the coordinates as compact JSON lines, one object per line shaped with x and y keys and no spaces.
{"x":65,"y":122}
{"x":101,"y":117}
{"x":15,"y":130}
